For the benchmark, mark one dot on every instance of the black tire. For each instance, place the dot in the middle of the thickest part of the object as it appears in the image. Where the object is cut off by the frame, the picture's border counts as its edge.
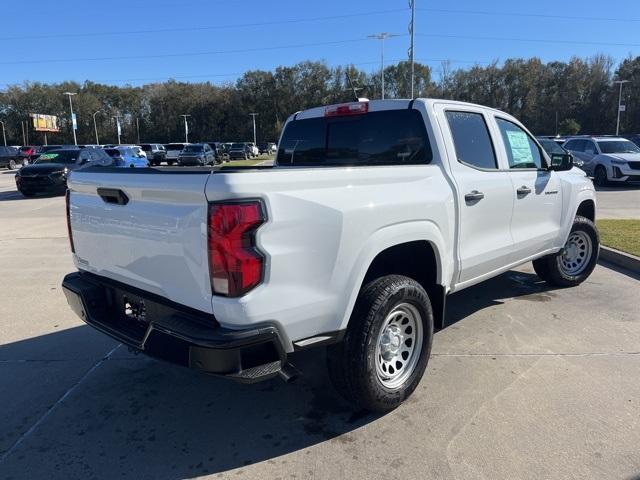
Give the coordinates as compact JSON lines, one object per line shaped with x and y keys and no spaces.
{"x":12,"y":164}
{"x":552,"y":268}
{"x":600,"y":176}
{"x":352,"y":363}
{"x":28,"y":194}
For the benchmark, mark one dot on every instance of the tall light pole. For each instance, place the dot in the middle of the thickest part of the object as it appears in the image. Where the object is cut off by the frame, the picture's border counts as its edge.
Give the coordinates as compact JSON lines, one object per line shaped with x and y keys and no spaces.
{"x":620,"y":82}
{"x":4,"y":135}
{"x":73,"y":123}
{"x":95,"y":127}
{"x":253,"y":117}
{"x":382,"y":37}
{"x":186,"y":127}
{"x":118,"y":129}
{"x":412,"y":5}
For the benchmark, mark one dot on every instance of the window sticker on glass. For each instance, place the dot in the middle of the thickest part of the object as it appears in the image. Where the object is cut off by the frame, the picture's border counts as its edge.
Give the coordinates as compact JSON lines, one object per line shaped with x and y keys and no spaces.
{"x":48,"y":156}
{"x":520,"y":149}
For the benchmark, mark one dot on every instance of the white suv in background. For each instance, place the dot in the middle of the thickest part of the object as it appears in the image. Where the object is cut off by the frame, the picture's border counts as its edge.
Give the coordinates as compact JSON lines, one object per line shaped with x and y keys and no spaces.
{"x":606,"y":159}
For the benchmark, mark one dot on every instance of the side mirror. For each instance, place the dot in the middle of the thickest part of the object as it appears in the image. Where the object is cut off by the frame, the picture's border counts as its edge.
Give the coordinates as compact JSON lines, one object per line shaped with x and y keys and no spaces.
{"x":561,"y":162}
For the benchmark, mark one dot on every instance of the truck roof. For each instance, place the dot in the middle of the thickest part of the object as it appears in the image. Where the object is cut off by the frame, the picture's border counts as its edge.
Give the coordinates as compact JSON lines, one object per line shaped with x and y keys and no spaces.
{"x":387,"y":104}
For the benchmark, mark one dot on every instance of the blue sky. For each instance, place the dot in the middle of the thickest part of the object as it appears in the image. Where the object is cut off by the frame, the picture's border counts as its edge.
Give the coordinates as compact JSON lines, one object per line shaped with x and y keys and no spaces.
{"x":224,"y":38}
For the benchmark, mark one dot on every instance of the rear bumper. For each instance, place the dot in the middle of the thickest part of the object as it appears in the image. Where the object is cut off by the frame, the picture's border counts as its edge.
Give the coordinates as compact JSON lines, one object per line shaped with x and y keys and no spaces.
{"x":164,"y":330}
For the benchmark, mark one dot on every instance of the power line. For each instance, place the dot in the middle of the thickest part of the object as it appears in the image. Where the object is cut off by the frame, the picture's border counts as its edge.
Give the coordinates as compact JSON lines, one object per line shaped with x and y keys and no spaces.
{"x":182,"y":54}
{"x":202,"y":28}
{"x":536,"y":40}
{"x":533,"y":15}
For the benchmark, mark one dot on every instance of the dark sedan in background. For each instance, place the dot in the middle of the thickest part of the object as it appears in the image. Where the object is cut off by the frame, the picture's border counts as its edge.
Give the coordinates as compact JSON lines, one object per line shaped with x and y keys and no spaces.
{"x":10,"y":157}
{"x":48,"y":174}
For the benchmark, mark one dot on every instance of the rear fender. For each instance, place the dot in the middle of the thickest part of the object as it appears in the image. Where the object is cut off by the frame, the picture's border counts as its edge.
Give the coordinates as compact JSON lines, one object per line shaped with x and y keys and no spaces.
{"x":388,"y":237}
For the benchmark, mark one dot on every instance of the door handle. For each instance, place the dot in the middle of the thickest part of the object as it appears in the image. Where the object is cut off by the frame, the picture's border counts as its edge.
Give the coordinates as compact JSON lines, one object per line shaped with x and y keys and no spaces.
{"x":113,"y":195}
{"x":474,"y":196}
{"x":524,"y":190}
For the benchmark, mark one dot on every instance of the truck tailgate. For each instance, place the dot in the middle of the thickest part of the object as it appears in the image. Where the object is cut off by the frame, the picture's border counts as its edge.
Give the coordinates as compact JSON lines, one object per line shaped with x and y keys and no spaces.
{"x":155,"y":240}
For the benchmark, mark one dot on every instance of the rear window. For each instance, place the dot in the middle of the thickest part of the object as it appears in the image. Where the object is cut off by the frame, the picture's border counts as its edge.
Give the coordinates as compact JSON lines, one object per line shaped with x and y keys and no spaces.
{"x":193,"y":148}
{"x":390,"y":137}
{"x":175,"y":147}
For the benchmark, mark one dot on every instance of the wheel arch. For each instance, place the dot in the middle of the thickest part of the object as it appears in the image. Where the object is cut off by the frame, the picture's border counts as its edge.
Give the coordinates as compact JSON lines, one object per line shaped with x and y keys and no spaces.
{"x":416,"y":250}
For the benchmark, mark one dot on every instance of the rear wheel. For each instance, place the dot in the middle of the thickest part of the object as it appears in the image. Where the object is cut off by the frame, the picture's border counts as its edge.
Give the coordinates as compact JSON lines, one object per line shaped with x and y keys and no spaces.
{"x":600,"y":176}
{"x":387,"y":345}
{"x":12,"y":164}
{"x":574,"y":263}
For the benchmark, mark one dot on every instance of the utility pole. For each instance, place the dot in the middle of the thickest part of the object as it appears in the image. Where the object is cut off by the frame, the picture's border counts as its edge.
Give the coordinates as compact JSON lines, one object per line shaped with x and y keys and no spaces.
{"x":382,"y":37}
{"x":4,"y":135}
{"x":95,"y":127}
{"x":119,"y":130}
{"x":412,"y":5}
{"x":73,"y":117}
{"x":620,"y":82}
{"x":253,"y":117}
{"x":138,"y":129}
{"x":186,"y":127}
{"x":24,"y":140}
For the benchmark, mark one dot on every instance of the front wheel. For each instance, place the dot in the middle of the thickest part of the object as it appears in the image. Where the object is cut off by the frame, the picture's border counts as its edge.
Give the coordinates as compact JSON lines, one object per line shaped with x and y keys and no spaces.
{"x":385,"y":351}
{"x":574,"y":263}
{"x":12,"y":164}
{"x":600,"y":176}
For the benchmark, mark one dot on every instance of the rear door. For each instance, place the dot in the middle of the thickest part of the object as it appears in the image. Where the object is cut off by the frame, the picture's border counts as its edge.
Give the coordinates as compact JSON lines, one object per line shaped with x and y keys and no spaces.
{"x":484,"y":192}
{"x":145,"y":228}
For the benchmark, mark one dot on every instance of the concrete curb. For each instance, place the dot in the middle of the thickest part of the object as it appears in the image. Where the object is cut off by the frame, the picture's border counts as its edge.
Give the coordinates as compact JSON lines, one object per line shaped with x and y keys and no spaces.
{"x":620,"y":259}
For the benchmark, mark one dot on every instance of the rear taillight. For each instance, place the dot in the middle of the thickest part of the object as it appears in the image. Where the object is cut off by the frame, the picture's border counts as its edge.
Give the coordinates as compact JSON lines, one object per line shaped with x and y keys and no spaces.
{"x":235,"y":263}
{"x":68,"y":207}
{"x":344,"y":109}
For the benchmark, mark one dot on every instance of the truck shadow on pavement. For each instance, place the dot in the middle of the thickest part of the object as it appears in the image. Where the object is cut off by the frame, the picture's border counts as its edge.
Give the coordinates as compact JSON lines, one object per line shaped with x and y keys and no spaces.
{"x":134,"y":417}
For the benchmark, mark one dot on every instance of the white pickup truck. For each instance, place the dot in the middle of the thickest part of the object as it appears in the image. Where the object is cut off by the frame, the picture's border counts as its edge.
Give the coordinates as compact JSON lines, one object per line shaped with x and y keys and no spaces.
{"x":372,"y":214}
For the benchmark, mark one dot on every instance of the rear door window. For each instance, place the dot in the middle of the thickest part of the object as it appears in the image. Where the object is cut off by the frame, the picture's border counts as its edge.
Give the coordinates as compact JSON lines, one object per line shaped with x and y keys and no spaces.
{"x":472,"y":140}
{"x":390,"y":137}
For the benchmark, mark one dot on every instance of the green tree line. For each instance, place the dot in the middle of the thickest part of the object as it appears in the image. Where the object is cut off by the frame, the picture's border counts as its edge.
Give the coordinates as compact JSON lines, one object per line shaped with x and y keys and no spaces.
{"x":577,"y":96}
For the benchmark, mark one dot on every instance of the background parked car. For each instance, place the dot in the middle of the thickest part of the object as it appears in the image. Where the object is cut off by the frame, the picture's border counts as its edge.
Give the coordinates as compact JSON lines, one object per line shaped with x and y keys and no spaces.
{"x":606,"y":159}
{"x":26,"y":153}
{"x":48,"y":174}
{"x":239,"y":151}
{"x":127,"y":157}
{"x":10,"y":157}
{"x":252,"y":149}
{"x":219,"y":151}
{"x":173,"y":150}
{"x":156,"y":153}
{"x":553,"y":149}
{"x":196,"y":154}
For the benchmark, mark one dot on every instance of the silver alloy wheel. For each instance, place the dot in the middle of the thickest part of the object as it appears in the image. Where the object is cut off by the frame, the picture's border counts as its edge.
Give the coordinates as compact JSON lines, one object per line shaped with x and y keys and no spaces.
{"x":576,"y":253}
{"x":399,"y":345}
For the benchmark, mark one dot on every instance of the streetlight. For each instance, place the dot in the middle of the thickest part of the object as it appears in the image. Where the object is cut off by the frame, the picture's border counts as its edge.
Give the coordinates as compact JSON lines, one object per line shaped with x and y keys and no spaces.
{"x":253,"y":117}
{"x":73,"y":123}
{"x":4,"y":135}
{"x":117,"y":118}
{"x":95,"y":127}
{"x":412,"y":24}
{"x":186,"y":127}
{"x":382,"y":36}
{"x":620,"y":82}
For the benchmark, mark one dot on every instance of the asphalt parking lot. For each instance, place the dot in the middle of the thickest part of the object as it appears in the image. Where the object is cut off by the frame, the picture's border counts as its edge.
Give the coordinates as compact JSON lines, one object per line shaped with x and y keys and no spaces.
{"x":526,"y":382}
{"x":619,"y":201}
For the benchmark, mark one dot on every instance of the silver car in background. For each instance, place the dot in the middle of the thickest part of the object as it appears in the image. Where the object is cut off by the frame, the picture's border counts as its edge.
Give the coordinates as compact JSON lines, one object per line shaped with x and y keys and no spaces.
{"x":606,"y":159}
